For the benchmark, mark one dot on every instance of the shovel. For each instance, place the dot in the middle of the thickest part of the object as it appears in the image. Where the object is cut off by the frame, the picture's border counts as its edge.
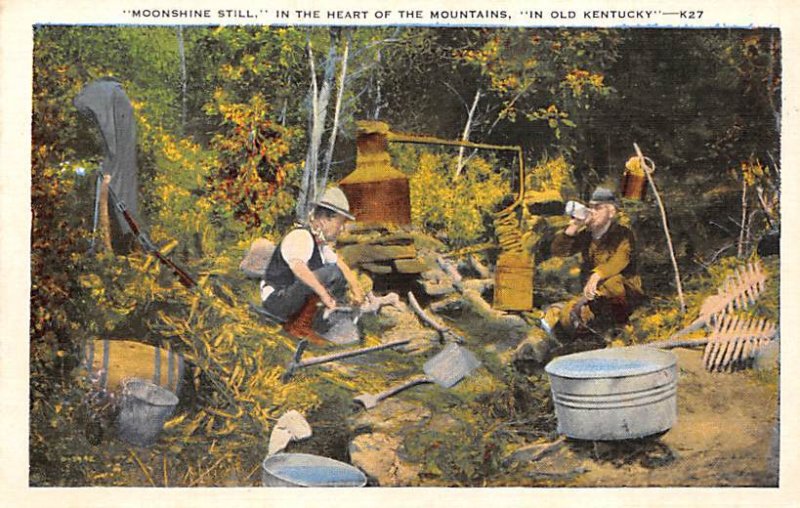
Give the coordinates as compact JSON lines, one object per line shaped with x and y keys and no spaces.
{"x":295,"y":363}
{"x":448,"y":367}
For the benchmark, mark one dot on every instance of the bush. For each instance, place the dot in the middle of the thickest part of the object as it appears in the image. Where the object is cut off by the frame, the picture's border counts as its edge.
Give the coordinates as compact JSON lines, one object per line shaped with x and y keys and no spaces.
{"x":452,"y":207}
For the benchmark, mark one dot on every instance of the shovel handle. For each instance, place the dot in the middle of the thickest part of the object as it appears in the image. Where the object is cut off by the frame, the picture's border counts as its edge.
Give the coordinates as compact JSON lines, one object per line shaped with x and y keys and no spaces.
{"x":404,"y":386}
{"x":348,"y":354}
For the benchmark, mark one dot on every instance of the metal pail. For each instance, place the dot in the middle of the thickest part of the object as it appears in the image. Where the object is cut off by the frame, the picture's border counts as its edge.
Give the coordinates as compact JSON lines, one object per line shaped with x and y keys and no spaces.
{"x":144,"y":409}
{"x":304,"y":470}
{"x":617,"y":393}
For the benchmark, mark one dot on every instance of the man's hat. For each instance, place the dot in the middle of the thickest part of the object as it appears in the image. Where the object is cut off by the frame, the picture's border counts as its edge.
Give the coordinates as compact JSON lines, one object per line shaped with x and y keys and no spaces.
{"x":603,"y":195}
{"x":334,"y":199}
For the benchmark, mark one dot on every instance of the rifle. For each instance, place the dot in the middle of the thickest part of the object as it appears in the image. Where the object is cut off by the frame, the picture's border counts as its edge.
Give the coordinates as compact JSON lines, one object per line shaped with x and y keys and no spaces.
{"x":148,"y":245}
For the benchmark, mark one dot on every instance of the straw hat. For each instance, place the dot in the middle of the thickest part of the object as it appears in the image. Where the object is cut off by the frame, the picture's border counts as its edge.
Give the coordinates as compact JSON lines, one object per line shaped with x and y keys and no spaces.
{"x":334,"y":199}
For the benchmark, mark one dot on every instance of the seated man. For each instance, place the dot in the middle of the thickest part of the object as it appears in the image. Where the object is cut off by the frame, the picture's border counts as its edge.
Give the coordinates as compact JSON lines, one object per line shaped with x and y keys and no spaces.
{"x":612,"y":288}
{"x":304,"y":269}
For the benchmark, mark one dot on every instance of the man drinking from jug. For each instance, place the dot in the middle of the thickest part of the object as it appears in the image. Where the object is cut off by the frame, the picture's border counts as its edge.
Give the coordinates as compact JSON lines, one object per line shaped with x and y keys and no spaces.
{"x":611,"y":286}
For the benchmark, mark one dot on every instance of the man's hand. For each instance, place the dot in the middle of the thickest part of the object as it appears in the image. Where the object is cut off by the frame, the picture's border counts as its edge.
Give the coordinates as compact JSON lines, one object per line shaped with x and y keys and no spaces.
{"x":590,"y":289}
{"x":357,"y":293}
{"x":574,"y":226}
{"x":328,"y":301}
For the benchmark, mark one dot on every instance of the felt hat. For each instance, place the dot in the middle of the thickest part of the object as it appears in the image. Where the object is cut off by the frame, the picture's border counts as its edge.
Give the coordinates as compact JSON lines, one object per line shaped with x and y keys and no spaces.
{"x":334,"y":199}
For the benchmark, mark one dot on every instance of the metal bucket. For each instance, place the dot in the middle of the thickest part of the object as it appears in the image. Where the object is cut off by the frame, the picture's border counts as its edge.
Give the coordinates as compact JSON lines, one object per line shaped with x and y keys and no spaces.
{"x":144,"y":409}
{"x":618,"y":393}
{"x":304,"y":470}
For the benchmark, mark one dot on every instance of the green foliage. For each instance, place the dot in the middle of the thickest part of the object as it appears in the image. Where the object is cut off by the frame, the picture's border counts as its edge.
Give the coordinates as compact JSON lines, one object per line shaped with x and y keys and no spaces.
{"x":453,"y":207}
{"x":249,"y":176}
{"x":550,"y":75}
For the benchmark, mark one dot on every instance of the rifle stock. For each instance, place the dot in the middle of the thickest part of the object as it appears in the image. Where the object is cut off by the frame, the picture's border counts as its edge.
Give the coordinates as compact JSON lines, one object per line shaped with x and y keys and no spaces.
{"x":150,"y":248}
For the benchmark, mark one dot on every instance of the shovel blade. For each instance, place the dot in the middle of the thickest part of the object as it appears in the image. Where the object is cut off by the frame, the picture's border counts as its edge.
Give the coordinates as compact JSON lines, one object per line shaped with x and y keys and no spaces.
{"x":450,"y":365}
{"x":368,"y":400}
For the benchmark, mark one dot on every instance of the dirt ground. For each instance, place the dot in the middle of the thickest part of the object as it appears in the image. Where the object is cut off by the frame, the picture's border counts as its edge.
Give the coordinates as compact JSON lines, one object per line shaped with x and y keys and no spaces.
{"x":725,"y":435}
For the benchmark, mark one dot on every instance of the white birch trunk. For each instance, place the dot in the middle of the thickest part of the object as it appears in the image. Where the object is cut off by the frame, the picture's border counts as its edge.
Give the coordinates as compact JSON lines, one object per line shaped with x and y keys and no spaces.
{"x":336,"y":110}
{"x":465,"y":135}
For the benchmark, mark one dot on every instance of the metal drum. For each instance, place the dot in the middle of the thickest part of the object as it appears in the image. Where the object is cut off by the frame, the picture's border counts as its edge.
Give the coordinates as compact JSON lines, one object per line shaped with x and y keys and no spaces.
{"x":617,"y":393}
{"x":304,"y":470}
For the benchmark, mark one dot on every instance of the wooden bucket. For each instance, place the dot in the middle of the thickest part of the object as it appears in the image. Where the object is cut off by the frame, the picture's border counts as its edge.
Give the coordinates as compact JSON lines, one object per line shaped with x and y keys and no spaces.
{"x":634,"y":186}
{"x":513,"y":282}
{"x":115,"y":360}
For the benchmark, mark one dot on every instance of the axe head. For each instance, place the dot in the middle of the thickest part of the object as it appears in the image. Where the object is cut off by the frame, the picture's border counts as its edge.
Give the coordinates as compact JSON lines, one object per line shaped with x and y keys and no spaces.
{"x":295,"y":361}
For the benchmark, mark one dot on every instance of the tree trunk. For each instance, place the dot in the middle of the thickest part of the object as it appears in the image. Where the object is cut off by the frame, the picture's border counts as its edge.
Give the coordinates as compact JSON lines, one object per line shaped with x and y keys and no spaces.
{"x":743,"y":225}
{"x":182,"y":54}
{"x":378,"y":97}
{"x":301,"y":209}
{"x":336,"y":110}
{"x":319,"y":107}
{"x":465,"y":135}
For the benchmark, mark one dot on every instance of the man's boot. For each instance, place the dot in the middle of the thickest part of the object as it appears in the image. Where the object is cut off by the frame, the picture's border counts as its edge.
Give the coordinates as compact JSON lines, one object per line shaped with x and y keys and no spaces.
{"x":300,"y":325}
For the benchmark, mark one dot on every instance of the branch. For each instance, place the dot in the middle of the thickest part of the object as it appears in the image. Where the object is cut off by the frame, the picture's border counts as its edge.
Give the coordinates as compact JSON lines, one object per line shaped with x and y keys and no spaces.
{"x":443,"y":330}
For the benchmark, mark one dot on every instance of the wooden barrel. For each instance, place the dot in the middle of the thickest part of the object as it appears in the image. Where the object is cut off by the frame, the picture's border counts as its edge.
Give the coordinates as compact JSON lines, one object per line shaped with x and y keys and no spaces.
{"x":115,"y":360}
{"x":513,"y":282}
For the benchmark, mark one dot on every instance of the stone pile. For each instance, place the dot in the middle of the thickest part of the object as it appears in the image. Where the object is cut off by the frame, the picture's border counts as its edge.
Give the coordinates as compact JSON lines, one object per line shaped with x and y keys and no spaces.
{"x":393,"y":256}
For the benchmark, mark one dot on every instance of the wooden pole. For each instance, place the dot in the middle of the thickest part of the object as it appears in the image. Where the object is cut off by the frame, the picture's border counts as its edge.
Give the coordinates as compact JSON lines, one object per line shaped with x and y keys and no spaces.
{"x":105,"y":222}
{"x":647,"y":171}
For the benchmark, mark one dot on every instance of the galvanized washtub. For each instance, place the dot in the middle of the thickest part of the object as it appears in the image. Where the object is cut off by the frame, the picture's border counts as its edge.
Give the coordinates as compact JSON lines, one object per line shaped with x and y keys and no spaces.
{"x":617,"y":393}
{"x":304,"y":470}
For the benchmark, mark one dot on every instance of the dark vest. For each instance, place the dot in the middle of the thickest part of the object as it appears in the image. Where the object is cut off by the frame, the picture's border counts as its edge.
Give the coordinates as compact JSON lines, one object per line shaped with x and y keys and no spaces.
{"x":279,"y":275}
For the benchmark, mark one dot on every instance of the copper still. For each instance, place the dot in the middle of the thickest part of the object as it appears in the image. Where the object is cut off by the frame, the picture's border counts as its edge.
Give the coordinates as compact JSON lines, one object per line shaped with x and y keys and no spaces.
{"x":377,"y":192}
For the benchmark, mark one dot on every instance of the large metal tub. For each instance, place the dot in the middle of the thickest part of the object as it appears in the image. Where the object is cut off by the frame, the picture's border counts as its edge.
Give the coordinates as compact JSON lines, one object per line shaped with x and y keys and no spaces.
{"x":617,"y":393}
{"x":305,"y":470}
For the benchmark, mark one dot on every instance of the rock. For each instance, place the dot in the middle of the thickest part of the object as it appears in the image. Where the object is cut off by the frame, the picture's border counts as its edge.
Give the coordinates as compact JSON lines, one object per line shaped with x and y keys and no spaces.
{"x":434,"y":274}
{"x":437,"y":288}
{"x":255,"y":261}
{"x":378,"y":456}
{"x":291,"y":426}
{"x":507,"y":324}
{"x":407,"y":326}
{"x":349,"y":238}
{"x":361,"y":253}
{"x":768,"y":357}
{"x":398,"y":238}
{"x":367,"y":227}
{"x":534,"y":352}
{"x":392,"y":415}
{"x":451,"y":304}
{"x":376,"y":268}
{"x":411,"y":265}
